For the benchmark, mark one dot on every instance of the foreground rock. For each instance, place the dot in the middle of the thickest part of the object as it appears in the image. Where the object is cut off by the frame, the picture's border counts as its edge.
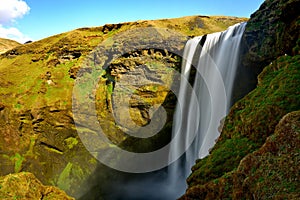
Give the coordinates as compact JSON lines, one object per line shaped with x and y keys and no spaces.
{"x":26,"y":186}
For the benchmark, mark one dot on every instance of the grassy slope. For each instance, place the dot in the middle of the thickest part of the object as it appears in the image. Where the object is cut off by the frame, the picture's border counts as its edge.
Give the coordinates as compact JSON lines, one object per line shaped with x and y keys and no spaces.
{"x":6,"y":44}
{"x":24,"y":74}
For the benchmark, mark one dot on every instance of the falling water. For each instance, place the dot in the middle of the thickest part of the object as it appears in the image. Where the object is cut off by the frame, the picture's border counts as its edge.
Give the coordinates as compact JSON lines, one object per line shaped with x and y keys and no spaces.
{"x":202,"y":106}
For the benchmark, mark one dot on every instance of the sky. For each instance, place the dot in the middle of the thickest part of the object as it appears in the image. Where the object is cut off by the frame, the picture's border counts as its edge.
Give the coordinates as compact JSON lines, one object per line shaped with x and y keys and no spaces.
{"x":24,"y":20}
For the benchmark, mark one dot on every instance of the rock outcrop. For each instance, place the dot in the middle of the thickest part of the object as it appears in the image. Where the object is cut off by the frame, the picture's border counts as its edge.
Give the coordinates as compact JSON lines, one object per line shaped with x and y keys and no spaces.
{"x":272,"y":31}
{"x":25,"y":185}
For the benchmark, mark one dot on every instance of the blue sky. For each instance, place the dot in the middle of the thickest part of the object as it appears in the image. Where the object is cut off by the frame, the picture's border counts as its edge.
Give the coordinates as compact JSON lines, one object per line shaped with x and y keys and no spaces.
{"x":24,"y":20}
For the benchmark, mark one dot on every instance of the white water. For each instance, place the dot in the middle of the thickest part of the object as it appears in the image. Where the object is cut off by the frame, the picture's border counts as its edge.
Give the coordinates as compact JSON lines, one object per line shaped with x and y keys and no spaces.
{"x":198,"y":116}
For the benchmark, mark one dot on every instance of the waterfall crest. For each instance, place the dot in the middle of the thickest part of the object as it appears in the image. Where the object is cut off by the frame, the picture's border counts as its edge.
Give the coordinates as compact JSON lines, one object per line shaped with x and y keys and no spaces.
{"x":200,"y":109}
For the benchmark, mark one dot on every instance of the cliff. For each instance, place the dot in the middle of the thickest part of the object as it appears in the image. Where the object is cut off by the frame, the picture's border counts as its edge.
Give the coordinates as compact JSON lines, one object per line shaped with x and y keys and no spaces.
{"x":37,"y":128}
{"x":255,"y":156}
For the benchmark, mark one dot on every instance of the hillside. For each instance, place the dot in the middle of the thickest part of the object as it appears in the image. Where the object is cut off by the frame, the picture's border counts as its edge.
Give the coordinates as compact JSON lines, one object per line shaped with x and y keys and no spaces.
{"x":6,"y":44}
{"x":38,"y":132}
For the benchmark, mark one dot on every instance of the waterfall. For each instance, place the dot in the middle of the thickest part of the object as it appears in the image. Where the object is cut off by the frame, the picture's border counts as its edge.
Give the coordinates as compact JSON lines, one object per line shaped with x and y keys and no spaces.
{"x":202,"y":105}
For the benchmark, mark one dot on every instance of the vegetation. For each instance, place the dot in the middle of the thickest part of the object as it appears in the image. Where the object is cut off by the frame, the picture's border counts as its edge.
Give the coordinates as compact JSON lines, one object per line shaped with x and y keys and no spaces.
{"x":37,"y":127}
{"x":254,"y":158}
{"x":250,"y":122}
{"x":6,"y":44}
{"x":25,"y":186}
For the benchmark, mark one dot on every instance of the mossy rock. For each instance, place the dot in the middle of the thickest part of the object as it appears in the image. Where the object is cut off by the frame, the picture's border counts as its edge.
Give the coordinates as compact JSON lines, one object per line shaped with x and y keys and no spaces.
{"x":271,"y":172}
{"x":25,"y":185}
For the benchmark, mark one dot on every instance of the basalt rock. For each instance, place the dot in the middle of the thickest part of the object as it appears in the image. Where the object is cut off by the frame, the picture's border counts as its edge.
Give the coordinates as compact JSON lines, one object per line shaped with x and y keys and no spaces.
{"x":272,"y":31}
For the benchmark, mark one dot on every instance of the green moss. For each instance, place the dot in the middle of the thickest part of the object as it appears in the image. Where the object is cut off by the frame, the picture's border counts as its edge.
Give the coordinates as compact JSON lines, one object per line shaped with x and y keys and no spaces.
{"x":224,"y":158}
{"x":63,"y":179}
{"x":71,"y":142}
{"x":110,"y":88}
{"x":18,"y":159}
{"x":30,"y":152}
{"x":70,"y":176}
{"x":18,"y":106}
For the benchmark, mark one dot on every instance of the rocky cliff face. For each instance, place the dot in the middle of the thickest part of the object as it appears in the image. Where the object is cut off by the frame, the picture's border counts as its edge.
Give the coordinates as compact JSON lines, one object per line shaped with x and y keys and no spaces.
{"x":253,"y":158}
{"x":37,"y":129}
{"x":272,"y":31}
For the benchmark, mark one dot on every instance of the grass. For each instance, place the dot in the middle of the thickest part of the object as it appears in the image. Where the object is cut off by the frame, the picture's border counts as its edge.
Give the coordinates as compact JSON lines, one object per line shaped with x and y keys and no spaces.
{"x":26,"y":78}
{"x":6,"y":44}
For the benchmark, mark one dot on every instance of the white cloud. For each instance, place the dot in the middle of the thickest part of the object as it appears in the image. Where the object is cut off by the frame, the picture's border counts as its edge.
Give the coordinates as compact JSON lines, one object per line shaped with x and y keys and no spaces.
{"x":12,"y":9}
{"x":13,"y":34}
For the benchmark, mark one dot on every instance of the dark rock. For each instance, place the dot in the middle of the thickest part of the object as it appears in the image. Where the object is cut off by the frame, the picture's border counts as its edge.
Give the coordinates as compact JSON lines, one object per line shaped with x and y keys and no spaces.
{"x":272,"y":31}
{"x":73,"y":72}
{"x":2,"y":106}
{"x":109,"y":27}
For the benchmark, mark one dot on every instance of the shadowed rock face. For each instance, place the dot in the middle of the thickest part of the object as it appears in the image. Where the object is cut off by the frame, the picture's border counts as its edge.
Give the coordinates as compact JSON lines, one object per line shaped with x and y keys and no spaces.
{"x":272,"y":31}
{"x":25,"y":185}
